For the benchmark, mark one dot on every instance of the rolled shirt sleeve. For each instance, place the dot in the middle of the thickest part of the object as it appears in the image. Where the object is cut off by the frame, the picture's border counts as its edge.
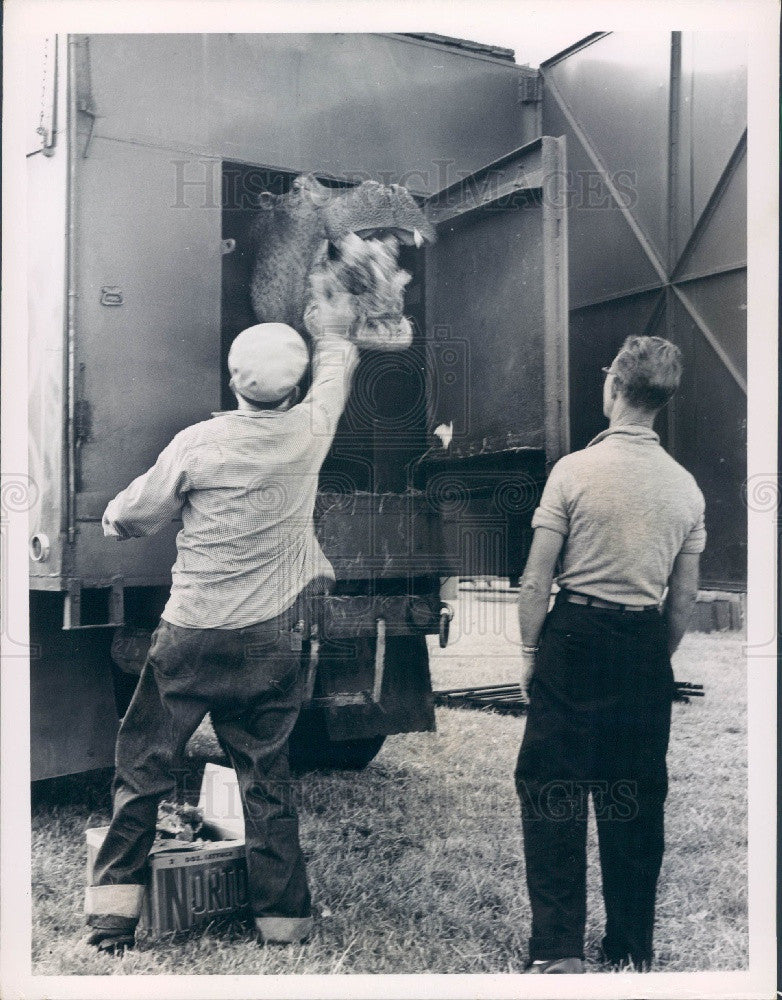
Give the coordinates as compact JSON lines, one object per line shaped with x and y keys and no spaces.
{"x":695,"y":542}
{"x":553,"y":511}
{"x":153,"y":499}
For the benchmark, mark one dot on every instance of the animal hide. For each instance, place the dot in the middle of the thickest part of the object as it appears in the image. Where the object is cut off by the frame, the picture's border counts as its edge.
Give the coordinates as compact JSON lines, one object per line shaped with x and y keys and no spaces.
{"x":357,"y":290}
{"x":314,"y":243}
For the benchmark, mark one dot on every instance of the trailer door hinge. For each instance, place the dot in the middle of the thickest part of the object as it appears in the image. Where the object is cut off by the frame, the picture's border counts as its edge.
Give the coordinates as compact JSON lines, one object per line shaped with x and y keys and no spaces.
{"x":530,"y":89}
{"x":82,"y":420}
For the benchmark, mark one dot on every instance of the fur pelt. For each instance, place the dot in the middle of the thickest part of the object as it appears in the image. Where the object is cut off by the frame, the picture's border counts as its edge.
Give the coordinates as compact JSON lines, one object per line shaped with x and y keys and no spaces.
{"x":357,"y":291}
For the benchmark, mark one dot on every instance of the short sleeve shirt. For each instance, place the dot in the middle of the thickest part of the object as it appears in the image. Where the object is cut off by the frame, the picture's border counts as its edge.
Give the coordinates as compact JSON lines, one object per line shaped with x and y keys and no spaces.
{"x":626,"y":510}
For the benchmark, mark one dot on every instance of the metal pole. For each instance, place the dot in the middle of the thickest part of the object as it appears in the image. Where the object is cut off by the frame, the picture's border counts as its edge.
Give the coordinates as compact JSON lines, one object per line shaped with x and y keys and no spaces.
{"x":674,"y":141}
{"x":380,"y":660}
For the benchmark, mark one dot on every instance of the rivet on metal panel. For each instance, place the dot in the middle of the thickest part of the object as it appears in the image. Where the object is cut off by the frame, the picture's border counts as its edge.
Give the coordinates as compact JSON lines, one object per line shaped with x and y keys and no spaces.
{"x":530,"y":89}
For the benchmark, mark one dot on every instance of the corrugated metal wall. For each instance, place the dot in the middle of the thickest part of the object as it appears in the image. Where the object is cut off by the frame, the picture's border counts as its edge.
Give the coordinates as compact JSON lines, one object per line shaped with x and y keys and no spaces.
{"x":656,"y":131}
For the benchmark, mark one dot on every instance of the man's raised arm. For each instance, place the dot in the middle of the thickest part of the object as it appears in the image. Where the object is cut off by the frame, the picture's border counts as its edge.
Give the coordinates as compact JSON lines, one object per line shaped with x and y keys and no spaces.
{"x":334,"y":361}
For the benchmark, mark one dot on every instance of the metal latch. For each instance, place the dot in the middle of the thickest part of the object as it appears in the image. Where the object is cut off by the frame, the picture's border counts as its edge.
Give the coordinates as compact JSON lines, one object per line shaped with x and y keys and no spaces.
{"x":446,"y":615}
{"x":111,"y":295}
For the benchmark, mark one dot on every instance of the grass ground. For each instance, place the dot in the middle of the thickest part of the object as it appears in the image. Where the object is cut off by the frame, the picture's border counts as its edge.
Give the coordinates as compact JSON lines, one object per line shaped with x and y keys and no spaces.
{"x":416,"y":863}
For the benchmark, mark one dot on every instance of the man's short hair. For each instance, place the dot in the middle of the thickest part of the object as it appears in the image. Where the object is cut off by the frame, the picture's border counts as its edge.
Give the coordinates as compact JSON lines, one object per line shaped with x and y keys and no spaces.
{"x":649,"y":370}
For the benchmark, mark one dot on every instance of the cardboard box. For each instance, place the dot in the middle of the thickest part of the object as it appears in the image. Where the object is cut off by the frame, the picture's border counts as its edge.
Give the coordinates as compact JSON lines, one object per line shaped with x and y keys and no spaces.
{"x":190,"y":887}
{"x":220,"y":802}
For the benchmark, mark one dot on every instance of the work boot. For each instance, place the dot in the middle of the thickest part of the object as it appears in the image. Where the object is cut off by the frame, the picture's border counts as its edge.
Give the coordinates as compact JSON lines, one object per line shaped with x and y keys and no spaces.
{"x":111,"y":934}
{"x":112,"y":912}
{"x":552,"y":966}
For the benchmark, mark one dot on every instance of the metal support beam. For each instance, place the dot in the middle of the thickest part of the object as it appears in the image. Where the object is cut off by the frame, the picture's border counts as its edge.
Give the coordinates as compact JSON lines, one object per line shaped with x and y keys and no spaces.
{"x":716,"y":346}
{"x":710,"y":208}
{"x":674,"y":137}
{"x":555,"y":302}
{"x":71,"y":611}
{"x":606,"y":178}
{"x":117,"y":602}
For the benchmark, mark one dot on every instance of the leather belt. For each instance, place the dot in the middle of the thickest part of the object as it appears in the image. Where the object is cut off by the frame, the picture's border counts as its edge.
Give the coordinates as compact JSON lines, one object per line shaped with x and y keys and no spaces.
{"x":573,"y":597}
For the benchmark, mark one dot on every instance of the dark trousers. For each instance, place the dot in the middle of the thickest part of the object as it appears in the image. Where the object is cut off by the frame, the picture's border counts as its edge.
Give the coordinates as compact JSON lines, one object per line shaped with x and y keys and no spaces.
{"x":251,"y":682}
{"x":597,"y":726}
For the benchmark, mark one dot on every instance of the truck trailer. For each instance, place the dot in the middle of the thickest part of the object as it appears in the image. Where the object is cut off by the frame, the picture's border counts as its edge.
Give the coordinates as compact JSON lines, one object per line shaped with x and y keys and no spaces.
{"x":147,"y":161}
{"x":147,"y":158}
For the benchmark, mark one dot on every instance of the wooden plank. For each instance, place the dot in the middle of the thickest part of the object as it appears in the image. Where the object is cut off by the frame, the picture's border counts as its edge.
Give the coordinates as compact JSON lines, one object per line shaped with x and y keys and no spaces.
{"x":721,"y":615}
{"x":704,"y":617}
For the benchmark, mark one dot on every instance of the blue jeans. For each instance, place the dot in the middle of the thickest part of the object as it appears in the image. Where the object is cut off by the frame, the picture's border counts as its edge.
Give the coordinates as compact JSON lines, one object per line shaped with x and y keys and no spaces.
{"x":251,"y":682}
{"x":597,"y":727}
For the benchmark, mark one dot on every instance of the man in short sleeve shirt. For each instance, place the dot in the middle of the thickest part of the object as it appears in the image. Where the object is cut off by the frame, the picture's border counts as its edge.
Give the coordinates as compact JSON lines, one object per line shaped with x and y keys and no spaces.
{"x":626,"y":524}
{"x":230,"y":638}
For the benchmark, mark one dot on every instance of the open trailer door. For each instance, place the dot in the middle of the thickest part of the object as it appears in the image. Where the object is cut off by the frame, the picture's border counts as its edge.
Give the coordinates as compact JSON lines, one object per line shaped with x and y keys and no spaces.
{"x":497,"y":331}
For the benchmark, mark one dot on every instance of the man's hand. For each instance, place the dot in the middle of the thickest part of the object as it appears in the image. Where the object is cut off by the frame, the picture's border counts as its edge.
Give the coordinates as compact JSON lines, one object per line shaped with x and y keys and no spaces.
{"x":329,"y":315}
{"x":527,"y":669}
{"x":534,"y":594}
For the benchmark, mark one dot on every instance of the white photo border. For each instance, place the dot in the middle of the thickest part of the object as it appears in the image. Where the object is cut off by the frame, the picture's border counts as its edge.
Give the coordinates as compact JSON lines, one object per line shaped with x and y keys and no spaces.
{"x":760,"y":19}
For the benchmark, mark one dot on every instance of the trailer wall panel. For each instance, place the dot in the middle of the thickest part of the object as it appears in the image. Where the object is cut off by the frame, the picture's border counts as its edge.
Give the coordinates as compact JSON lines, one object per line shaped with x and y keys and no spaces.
{"x":665,"y":255}
{"x":47,"y":185}
{"x":151,"y":365}
{"x":159,"y":117}
{"x":352,"y":105}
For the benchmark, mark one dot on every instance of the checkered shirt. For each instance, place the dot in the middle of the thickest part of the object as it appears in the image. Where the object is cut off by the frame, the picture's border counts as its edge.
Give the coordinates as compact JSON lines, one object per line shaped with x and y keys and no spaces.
{"x":244,"y":485}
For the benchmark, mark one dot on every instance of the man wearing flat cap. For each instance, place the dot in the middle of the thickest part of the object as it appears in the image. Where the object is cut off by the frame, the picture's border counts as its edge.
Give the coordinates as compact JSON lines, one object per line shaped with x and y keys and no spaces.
{"x":626,"y":524}
{"x":229,"y":640}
